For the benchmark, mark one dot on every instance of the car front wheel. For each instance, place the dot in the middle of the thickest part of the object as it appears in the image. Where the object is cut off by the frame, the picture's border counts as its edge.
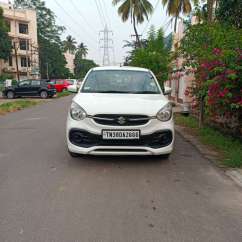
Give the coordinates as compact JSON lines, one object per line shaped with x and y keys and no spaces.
{"x":43,"y":94}
{"x":10,"y":94}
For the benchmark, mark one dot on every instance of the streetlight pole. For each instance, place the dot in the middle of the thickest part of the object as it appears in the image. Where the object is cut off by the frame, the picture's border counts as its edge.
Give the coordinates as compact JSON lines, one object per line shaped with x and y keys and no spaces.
{"x":47,"y":70}
{"x":16,"y":57}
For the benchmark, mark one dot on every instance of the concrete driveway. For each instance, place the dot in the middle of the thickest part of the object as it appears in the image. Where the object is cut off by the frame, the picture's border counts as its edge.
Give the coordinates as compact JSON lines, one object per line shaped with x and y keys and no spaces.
{"x":47,"y":196}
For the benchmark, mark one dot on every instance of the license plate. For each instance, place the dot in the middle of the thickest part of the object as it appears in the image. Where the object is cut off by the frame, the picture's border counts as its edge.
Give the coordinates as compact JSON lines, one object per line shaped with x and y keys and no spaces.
{"x":121,"y":134}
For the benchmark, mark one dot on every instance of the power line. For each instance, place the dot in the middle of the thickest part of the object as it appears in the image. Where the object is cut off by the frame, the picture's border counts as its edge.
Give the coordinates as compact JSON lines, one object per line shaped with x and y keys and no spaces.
{"x":102,"y":12}
{"x":73,"y":19}
{"x":99,"y":13}
{"x":79,"y":12}
{"x":106,"y":12}
{"x":72,"y":30}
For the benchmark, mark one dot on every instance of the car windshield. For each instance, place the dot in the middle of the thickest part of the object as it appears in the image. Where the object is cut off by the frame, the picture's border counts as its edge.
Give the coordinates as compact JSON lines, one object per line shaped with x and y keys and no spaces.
{"x":116,"y":81}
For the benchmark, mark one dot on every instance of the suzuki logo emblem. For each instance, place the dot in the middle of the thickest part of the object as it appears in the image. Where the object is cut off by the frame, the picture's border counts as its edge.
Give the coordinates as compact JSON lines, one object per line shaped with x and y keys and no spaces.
{"x":121,"y":120}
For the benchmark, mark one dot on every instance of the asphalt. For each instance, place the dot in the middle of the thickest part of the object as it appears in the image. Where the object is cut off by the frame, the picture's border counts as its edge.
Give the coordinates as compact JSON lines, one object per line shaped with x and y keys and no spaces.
{"x":47,"y":196}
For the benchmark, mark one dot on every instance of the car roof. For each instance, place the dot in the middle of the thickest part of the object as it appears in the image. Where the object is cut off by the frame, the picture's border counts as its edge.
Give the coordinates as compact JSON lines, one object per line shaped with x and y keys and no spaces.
{"x":120,"y":68}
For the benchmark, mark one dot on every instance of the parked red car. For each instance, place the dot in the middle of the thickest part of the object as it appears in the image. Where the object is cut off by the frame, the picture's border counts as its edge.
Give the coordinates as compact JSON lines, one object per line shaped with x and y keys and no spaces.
{"x":60,"y":85}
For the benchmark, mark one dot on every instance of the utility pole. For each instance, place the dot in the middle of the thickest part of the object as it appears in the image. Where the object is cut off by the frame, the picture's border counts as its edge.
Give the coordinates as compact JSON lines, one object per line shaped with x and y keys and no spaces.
{"x":47,"y":70}
{"x":107,"y":45}
{"x":15,"y":43}
{"x":27,"y":57}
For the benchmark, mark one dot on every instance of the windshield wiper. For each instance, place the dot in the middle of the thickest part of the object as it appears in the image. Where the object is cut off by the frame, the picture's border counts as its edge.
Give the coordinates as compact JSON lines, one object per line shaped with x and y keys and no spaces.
{"x":146,"y":92}
{"x":112,"y":92}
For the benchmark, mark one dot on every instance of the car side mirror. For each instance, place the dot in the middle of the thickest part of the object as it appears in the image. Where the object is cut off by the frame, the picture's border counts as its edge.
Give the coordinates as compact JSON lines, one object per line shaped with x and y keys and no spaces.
{"x":167,"y":91}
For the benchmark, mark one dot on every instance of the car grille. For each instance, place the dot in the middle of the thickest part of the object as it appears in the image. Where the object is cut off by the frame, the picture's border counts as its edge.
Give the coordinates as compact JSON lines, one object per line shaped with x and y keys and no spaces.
{"x":121,"y":119}
{"x":85,"y":139}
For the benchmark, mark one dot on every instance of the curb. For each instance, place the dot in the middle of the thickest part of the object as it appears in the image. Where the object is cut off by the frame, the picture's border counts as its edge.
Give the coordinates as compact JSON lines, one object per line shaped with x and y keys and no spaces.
{"x":211,"y":155}
{"x":235,"y":175}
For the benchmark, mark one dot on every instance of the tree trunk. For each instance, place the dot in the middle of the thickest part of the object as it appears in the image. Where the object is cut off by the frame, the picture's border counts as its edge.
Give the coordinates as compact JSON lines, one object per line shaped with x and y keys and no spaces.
{"x":210,"y":4}
{"x":201,"y":113}
{"x":136,"y":32}
{"x":175,"y":26}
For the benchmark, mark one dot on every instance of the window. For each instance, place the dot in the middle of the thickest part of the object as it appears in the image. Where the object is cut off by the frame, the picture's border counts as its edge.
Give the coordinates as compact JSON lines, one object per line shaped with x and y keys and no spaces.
{"x":59,"y":82}
{"x":23,"y":29}
{"x":10,"y":61}
{"x":24,"y":83}
{"x":35,"y":83}
{"x":25,"y":61}
{"x":24,"y":44}
{"x":116,"y":81}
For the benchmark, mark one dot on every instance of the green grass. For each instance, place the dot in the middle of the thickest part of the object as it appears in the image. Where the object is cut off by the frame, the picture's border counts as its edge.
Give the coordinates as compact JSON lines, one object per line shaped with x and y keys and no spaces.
{"x":17,"y":105}
{"x":63,"y":94}
{"x":229,"y":148}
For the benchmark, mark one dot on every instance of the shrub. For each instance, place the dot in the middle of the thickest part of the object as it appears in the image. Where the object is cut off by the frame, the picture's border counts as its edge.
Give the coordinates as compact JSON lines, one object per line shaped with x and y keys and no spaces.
{"x":215,"y":53}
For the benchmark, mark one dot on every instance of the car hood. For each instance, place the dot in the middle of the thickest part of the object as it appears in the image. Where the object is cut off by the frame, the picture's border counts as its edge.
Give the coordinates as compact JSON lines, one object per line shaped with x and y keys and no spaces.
{"x":106,"y":103}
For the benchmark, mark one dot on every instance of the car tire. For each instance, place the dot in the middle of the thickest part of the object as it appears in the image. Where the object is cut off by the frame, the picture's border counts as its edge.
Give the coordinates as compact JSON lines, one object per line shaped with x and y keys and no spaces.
{"x":74,"y":155}
{"x":43,"y":94}
{"x":10,"y":95}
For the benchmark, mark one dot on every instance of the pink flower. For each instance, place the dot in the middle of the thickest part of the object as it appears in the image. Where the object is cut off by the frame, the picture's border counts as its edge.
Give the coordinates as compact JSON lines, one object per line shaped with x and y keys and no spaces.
{"x":217,"y":51}
{"x":224,"y":92}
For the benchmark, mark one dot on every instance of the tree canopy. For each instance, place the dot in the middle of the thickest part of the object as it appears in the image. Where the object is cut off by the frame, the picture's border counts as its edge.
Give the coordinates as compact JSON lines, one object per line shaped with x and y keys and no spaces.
{"x":50,"y":45}
{"x":155,"y":56}
{"x":82,"y":66}
{"x":5,"y":43}
{"x":69,"y":44}
{"x":230,"y":12}
{"x":135,"y":10}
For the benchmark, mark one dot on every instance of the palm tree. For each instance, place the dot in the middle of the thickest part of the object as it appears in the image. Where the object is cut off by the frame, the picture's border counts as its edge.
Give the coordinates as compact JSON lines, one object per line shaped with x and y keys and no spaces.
{"x":69,"y":44}
{"x":82,"y":50}
{"x":176,"y":7}
{"x":136,"y":10}
{"x":210,"y":5}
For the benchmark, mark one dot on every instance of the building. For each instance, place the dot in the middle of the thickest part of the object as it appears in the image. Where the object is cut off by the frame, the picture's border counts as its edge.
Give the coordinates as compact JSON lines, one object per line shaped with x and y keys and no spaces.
{"x":180,"y":79}
{"x":23,"y":63}
{"x":70,"y":61}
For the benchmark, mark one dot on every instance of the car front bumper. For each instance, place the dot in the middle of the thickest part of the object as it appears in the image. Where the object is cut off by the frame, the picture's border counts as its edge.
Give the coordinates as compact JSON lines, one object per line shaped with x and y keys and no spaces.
{"x":147,"y":145}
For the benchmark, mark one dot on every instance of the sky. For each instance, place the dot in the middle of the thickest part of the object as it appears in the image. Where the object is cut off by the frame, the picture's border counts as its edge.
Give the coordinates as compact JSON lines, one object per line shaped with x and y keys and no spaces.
{"x":82,"y":20}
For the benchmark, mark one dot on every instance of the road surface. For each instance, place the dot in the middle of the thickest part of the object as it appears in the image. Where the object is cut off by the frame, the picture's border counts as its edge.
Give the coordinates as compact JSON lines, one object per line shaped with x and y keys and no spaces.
{"x":47,"y":196}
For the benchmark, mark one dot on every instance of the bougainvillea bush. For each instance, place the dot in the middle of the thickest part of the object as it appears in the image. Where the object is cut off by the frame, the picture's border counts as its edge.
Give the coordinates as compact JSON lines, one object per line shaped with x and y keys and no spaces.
{"x":214,"y":53}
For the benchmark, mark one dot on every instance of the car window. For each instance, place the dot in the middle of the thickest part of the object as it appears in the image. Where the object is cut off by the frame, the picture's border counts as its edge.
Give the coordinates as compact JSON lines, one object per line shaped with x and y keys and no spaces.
{"x":116,"y":81}
{"x":71,"y":82}
{"x":59,"y":82}
{"x":24,"y":83}
{"x":35,"y":83}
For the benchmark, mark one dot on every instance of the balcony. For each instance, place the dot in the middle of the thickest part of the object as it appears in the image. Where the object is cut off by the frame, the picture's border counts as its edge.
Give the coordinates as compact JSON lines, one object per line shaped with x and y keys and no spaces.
{"x":9,"y":69}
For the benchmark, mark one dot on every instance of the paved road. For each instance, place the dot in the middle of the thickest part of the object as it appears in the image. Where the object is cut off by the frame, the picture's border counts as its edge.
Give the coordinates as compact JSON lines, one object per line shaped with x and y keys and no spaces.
{"x":46,"y":196}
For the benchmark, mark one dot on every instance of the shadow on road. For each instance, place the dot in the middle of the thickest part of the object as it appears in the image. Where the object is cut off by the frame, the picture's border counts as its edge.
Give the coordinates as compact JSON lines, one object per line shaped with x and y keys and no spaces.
{"x":117,"y":160}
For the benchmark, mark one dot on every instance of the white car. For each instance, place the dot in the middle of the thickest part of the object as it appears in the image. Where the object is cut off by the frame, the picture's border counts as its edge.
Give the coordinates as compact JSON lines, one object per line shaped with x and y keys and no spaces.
{"x":120,"y":111}
{"x":75,"y":85}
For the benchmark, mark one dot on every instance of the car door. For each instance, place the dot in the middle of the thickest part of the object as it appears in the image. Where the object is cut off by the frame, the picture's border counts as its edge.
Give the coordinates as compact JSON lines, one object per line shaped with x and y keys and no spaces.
{"x":59,"y":85}
{"x":35,"y":84}
{"x":23,"y":88}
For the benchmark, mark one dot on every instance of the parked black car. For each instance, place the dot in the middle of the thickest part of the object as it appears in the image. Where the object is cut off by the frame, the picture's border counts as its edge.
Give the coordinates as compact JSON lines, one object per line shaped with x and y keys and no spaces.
{"x":29,"y":88}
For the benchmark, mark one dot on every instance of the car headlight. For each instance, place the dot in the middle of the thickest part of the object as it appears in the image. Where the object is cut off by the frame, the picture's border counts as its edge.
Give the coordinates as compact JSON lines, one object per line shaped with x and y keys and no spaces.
{"x":76,"y":112}
{"x":165,"y":113}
